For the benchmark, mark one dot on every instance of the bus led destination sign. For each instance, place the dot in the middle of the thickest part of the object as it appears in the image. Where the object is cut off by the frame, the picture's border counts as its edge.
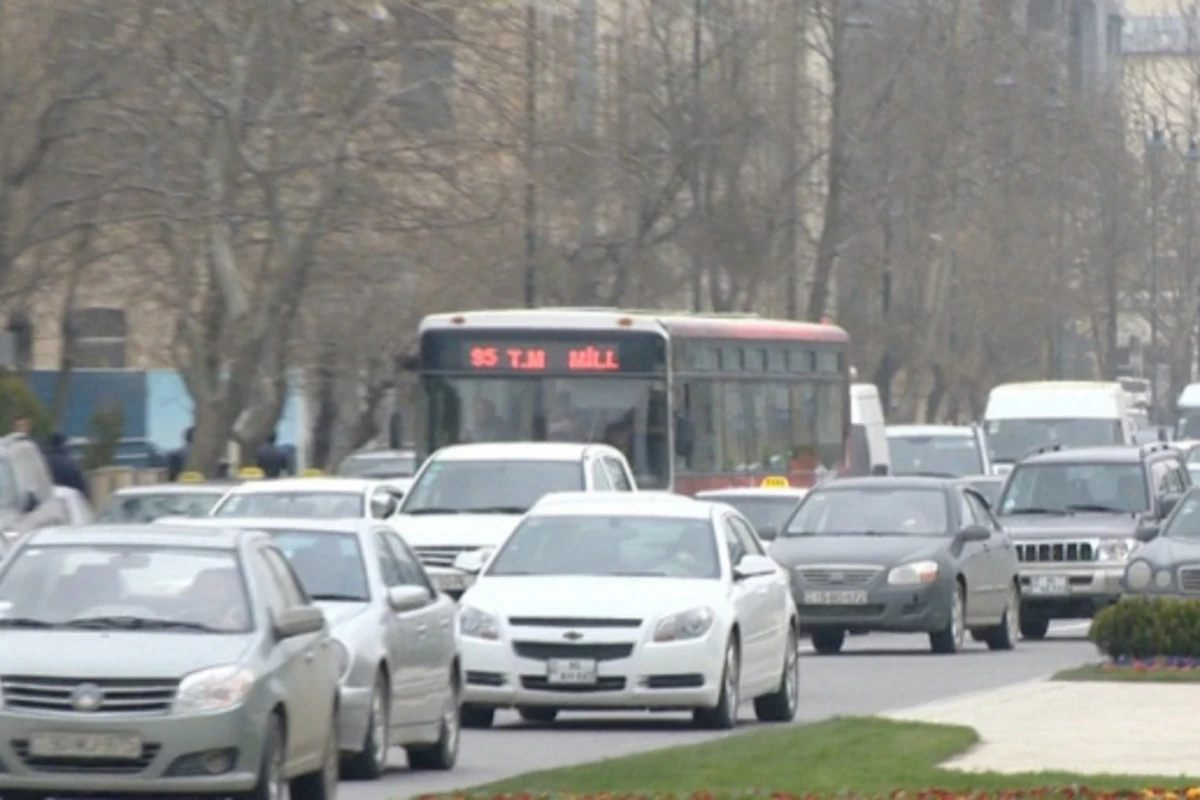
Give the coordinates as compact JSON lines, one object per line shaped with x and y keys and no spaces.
{"x":542,"y":357}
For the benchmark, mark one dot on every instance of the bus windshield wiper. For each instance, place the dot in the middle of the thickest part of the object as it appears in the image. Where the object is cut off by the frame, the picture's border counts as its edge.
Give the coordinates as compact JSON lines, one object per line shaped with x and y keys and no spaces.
{"x":132,"y":623}
{"x":1036,"y":510}
{"x":26,"y":622}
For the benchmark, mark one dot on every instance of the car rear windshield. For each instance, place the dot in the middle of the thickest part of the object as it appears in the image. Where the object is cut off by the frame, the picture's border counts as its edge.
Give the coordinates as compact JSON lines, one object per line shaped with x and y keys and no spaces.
{"x":953,"y":456}
{"x":609,"y":546}
{"x":871,"y":511}
{"x":478,"y":487}
{"x":328,"y":563}
{"x":374,"y":466}
{"x":293,"y":505}
{"x":765,"y":513}
{"x":149,"y":507}
{"x":1067,"y":488}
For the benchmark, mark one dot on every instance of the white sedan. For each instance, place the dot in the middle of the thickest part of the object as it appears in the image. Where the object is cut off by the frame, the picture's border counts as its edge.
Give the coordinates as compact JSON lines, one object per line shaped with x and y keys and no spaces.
{"x":637,"y":603}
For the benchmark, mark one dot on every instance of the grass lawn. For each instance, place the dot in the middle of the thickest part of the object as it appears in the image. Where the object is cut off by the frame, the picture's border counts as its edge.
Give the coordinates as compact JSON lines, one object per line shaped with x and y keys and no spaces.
{"x":844,"y":754}
{"x":1096,"y":672}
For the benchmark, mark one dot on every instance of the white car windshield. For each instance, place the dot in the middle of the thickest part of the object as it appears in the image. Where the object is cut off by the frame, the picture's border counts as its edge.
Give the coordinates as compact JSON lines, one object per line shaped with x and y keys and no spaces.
{"x":149,"y":507}
{"x":328,"y":563}
{"x":479,"y":487}
{"x":872,"y":511}
{"x":293,"y":505}
{"x":1071,"y":488}
{"x":609,"y":546}
{"x":1011,"y":440}
{"x":124,"y":588}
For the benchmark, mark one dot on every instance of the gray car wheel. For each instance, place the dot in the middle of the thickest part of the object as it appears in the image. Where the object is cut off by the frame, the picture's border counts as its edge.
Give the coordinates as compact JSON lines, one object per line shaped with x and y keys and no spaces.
{"x":950,"y":639}
{"x":780,"y":705}
{"x":271,"y":784}
{"x":442,"y":754}
{"x":1005,"y":635}
{"x":724,"y":715}
{"x":322,"y":784}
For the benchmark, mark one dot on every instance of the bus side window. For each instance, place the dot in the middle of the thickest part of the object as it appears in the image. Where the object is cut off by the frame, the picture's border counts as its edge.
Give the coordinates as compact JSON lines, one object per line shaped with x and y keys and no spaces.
{"x":701,"y":416}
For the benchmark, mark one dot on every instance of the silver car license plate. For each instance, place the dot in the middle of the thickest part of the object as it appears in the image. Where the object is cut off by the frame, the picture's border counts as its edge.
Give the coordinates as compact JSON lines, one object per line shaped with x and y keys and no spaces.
{"x":842,"y":597}
{"x":86,"y":745}
{"x":571,"y":672}
{"x":449,"y":581}
{"x":1049,"y":584}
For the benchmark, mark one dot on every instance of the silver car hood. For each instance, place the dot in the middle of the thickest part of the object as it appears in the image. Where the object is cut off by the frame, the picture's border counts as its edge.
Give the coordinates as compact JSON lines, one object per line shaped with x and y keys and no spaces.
{"x":117,"y":654}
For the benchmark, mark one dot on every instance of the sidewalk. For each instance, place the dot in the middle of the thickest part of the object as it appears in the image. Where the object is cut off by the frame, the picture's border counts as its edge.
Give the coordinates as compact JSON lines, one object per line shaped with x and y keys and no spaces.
{"x":1084,"y":728}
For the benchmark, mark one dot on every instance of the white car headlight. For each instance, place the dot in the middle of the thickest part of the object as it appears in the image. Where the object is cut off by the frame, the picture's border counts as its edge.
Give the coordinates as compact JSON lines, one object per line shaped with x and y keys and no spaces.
{"x":214,"y":689}
{"x":690,"y":624}
{"x":478,"y":624}
{"x":1111,"y":550}
{"x":342,"y":656}
{"x":1138,"y":575}
{"x":917,"y":572}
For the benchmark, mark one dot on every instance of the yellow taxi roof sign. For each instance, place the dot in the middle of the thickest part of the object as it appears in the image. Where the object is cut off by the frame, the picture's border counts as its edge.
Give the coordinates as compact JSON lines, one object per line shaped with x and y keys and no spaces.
{"x":250,"y":473}
{"x":312,"y":472}
{"x":775,"y":482}
{"x":191,"y":476}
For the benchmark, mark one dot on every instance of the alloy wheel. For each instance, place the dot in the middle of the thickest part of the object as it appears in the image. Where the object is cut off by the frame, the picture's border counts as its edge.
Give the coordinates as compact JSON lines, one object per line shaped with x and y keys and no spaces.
{"x":379,"y":725}
{"x":791,"y":674}
{"x":1013,"y":618}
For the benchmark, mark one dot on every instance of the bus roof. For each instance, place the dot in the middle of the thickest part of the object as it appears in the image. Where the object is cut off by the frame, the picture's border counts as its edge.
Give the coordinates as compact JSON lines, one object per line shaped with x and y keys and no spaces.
{"x":698,"y":326}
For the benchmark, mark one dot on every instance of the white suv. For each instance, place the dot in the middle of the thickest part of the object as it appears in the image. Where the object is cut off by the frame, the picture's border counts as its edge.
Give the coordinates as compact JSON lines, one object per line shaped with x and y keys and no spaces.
{"x":468,"y":497}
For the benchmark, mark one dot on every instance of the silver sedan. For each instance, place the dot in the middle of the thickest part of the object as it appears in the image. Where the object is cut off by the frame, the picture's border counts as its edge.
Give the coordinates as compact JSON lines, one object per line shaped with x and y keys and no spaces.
{"x":401,"y":674}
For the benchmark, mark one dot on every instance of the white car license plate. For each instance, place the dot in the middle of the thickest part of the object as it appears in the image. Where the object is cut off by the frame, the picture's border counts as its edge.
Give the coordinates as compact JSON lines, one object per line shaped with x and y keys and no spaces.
{"x":448,"y":581}
{"x":1049,"y":584}
{"x":571,"y":672}
{"x":86,"y":745}
{"x":844,"y":597}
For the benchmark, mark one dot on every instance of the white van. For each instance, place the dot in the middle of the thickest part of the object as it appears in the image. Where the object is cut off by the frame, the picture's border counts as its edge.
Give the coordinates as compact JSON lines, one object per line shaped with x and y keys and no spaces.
{"x":1021,"y":417}
{"x":869,"y":453}
{"x":1188,"y":426}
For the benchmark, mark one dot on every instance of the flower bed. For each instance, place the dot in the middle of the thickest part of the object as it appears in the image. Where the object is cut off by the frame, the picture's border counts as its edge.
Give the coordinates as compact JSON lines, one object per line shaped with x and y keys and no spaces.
{"x":1041,"y":793}
{"x":1176,"y":663}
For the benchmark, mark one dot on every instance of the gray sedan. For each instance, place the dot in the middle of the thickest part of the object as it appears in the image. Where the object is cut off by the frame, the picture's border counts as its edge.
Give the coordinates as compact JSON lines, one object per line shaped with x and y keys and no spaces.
{"x":144,"y":660}
{"x":401,"y":677}
{"x":921,"y":555}
{"x":1167,"y":560}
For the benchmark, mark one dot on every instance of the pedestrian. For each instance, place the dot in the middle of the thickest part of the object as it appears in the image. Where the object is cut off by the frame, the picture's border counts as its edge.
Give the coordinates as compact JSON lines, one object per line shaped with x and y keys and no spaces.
{"x":23,"y":424}
{"x":177,"y":459}
{"x":63,"y":469}
{"x":270,"y":458}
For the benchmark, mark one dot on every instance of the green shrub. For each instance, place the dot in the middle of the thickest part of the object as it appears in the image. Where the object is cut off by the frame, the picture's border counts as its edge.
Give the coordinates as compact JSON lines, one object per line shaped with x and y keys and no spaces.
{"x":108,"y":423}
{"x":18,"y":400}
{"x":1148,"y":627}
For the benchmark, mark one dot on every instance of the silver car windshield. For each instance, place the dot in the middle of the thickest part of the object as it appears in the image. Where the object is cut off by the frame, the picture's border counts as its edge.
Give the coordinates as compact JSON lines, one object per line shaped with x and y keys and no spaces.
{"x":149,"y":507}
{"x":609,"y":546}
{"x":1011,"y":440}
{"x":875,"y":511}
{"x":293,"y":505}
{"x":124,"y":588}
{"x":764,"y":513}
{"x":1061,"y":488}
{"x":328,"y":563}
{"x":477,"y":487}
{"x":1185,"y":522}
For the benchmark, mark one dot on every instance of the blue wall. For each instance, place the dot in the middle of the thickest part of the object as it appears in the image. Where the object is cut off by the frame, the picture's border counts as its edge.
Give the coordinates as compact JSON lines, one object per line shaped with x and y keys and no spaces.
{"x":156,"y":406}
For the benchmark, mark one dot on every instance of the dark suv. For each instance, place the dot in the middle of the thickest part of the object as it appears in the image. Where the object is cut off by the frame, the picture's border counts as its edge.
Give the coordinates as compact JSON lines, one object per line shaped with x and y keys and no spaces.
{"x":1073,"y":515}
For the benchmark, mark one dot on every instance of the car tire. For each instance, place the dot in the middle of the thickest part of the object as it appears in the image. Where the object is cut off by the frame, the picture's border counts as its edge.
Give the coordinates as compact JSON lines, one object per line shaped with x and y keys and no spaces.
{"x":950,"y":639}
{"x":323,"y":783}
{"x":473,"y":716}
{"x":724,"y":715}
{"x":538,"y":714}
{"x":1034,"y":627}
{"x":442,"y":754}
{"x":781,"y":704}
{"x":828,"y":641}
{"x":1005,"y":635}
{"x":370,"y":763}
{"x":271,"y":782}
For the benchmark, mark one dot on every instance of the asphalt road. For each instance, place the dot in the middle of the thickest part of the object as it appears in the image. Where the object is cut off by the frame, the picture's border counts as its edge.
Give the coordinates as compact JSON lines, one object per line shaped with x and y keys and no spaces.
{"x":874,"y":673}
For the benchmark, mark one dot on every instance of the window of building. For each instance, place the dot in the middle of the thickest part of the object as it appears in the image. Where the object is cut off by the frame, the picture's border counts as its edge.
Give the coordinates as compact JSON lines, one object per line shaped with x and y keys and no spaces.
{"x":99,"y":338}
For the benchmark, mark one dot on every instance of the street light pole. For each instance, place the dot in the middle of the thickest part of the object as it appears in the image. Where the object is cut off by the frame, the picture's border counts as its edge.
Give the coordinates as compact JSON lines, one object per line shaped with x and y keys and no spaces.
{"x":1155,"y":144}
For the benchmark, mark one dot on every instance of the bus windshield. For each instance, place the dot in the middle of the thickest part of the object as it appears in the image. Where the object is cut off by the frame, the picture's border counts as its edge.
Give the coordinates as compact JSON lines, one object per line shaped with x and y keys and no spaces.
{"x":627,"y":413}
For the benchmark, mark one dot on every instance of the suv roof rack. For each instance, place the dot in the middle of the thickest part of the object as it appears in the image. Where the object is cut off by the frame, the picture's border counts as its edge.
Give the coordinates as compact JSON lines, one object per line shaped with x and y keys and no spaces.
{"x":1046,"y":448}
{"x":1156,"y":447}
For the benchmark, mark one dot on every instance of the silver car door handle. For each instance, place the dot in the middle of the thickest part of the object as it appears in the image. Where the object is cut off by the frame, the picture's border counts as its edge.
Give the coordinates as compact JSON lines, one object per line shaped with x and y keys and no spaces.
{"x":445,"y":623}
{"x":421,"y":630}
{"x":308,"y":655}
